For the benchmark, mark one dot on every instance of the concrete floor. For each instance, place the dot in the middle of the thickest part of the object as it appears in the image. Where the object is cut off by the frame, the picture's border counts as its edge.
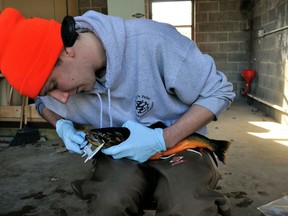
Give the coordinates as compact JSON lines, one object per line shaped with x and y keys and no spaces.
{"x":35,"y":179}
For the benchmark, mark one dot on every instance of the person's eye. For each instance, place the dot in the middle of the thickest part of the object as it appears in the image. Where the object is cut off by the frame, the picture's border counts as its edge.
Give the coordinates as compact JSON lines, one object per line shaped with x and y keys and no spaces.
{"x":52,"y":86}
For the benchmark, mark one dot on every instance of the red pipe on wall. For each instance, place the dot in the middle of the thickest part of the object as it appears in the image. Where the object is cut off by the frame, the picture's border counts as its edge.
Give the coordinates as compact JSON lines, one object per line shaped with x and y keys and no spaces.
{"x":248,"y":76}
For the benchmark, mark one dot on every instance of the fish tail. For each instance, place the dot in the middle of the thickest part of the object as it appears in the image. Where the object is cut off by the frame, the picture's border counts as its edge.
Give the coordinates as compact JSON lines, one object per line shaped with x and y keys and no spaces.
{"x":220,"y":148}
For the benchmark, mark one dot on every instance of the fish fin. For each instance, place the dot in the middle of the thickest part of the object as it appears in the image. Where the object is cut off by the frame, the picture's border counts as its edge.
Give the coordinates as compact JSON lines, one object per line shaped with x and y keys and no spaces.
{"x":220,"y":148}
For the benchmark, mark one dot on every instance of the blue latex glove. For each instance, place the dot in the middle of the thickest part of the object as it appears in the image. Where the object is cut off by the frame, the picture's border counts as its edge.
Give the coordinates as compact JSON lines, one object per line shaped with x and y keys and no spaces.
{"x":142,"y":143}
{"x":71,"y":138}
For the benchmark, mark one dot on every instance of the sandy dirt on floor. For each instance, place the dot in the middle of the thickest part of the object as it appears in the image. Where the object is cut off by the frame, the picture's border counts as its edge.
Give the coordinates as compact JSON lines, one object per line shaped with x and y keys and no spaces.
{"x":35,"y":178}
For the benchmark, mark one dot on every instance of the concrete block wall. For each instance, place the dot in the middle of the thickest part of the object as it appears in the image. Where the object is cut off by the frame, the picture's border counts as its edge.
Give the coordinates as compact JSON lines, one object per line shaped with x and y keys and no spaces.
{"x":270,"y":56}
{"x":223,"y":31}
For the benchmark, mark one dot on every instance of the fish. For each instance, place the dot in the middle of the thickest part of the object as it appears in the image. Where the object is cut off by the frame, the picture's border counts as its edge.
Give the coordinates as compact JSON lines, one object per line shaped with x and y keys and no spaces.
{"x":198,"y":141}
{"x":109,"y":136}
{"x":116,"y":135}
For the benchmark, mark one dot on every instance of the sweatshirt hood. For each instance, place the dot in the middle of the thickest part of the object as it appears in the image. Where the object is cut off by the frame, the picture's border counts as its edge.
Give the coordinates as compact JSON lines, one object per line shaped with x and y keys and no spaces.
{"x":111,"y":32}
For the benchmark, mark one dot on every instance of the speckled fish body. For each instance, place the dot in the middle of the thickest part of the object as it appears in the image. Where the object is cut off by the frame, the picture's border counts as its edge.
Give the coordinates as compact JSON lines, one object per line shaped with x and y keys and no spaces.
{"x":116,"y":135}
{"x":108,"y":136}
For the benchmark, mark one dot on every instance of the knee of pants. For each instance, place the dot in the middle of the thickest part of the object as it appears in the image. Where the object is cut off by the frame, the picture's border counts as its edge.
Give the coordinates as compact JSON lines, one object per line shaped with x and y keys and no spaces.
{"x":123,"y":197}
{"x":114,"y":204}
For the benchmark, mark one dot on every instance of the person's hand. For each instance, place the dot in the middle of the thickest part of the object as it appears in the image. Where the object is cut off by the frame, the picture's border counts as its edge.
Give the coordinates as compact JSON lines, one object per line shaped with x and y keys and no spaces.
{"x":142,"y":143}
{"x":71,"y":138}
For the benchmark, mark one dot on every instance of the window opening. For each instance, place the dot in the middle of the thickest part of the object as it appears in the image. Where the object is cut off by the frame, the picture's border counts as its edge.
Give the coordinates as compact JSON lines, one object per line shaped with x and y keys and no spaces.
{"x":177,"y":13}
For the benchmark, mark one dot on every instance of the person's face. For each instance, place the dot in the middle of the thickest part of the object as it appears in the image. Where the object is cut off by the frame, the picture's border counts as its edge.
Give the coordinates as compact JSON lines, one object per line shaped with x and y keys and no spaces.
{"x":73,"y":73}
{"x":67,"y":80}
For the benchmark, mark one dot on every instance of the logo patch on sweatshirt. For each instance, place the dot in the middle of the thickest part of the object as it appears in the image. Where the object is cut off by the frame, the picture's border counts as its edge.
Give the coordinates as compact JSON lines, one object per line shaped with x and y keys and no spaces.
{"x":143,"y":104}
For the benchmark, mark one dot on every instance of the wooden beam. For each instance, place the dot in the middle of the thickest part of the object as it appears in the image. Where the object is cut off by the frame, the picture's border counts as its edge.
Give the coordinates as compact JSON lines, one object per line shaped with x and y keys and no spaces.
{"x":13,"y":113}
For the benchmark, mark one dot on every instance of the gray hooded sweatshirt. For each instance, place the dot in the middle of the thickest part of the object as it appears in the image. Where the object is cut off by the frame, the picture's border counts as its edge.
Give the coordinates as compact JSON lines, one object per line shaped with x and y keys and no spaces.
{"x":153,"y":74}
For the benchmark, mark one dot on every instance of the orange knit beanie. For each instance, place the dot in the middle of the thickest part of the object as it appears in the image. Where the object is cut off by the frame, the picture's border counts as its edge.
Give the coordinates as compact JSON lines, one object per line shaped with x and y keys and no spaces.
{"x":29,"y":49}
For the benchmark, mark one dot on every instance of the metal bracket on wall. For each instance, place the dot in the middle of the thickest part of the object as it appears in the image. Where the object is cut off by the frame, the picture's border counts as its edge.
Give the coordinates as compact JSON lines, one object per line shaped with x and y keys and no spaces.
{"x":262,"y":33}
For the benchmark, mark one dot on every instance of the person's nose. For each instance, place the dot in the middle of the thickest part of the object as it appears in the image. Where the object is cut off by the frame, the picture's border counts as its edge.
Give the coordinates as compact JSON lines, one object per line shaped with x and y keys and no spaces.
{"x":61,"y":96}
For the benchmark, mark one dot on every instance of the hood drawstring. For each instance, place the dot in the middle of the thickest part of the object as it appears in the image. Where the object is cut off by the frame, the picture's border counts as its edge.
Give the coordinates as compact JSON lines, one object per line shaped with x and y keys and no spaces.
{"x":101,"y":109}
{"x":109,"y":109}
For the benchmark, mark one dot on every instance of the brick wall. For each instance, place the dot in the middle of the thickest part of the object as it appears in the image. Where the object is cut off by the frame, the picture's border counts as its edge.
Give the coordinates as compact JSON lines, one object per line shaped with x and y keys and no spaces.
{"x":223,"y":31}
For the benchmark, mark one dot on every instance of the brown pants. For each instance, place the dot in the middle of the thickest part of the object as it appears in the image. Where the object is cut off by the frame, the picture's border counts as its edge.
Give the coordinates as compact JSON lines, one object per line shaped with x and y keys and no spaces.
{"x":180,"y":185}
